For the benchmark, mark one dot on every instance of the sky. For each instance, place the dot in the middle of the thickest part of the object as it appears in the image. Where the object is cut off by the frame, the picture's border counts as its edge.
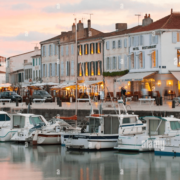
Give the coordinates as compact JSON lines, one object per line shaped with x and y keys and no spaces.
{"x":24,"y":23}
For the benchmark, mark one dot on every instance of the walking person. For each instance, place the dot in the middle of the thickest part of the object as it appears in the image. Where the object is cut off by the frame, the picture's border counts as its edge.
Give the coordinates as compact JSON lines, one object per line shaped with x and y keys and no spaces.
{"x":123,"y":94}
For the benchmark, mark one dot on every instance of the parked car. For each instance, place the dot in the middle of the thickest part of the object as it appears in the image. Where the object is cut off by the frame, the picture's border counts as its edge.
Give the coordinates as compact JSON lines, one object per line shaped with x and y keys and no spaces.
{"x":42,"y":94}
{"x":11,"y":95}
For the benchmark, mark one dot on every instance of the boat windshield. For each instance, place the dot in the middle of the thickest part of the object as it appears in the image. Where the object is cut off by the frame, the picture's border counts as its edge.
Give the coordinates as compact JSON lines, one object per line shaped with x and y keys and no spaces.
{"x":127,"y":120}
{"x":175,"y":125}
{"x":94,"y":125}
{"x":156,"y":127}
{"x":4,"y":117}
{"x":35,"y":120}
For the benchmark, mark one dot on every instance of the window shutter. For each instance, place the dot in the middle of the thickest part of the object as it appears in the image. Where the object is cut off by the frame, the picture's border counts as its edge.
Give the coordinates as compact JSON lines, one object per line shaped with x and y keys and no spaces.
{"x":157,"y":61}
{"x":61,"y":50}
{"x":49,"y":50}
{"x":96,"y":48}
{"x":107,"y":45}
{"x":66,"y":49}
{"x":89,"y":68}
{"x":150,"y":39}
{"x":100,"y":47}
{"x":66,"y":68}
{"x":124,"y":42}
{"x":129,"y":62}
{"x":84,"y":49}
{"x":150,"y":60}
{"x":82,"y":69}
{"x":94,"y":67}
{"x":119,"y":62}
{"x":44,"y":51}
{"x":72,"y":49}
{"x":48,"y":70}
{"x":54,"y":71}
{"x":57,"y":70}
{"x":138,"y":62}
{"x":72,"y":67}
{"x":135,"y":66}
{"x":33,"y":62}
{"x":174,"y":37}
{"x":125,"y":61}
{"x":88,"y":49}
{"x":112,"y":63}
{"x":42,"y":48}
{"x":107,"y":64}
{"x":129,"y":42}
{"x":100,"y":65}
{"x":62,"y":68}
{"x":78,"y":69}
{"x":41,"y":71}
{"x":143,"y":56}
{"x":156,"y":39}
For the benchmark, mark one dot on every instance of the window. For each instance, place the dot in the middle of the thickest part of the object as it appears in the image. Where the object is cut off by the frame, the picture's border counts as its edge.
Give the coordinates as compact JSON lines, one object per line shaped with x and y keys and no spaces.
{"x":92,"y":48}
{"x":35,"y":120}
{"x":108,"y":67}
{"x":62,"y":68}
{"x":133,"y":42}
{"x":132,"y":61}
{"x":39,"y":61}
{"x":178,"y":57}
{"x":114,"y":65}
{"x":33,"y":62}
{"x":94,"y":125}
{"x":86,"y":49}
{"x":67,"y":68}
{"x":86,"y":69}
{"x":141,"y":40}
{"x":50,"y":69}
{"x":114,"y":44}
{"x":62,"y":51}
{"x":98,"y":68}
{"x":98,"y":48}
{"x":50,"y":50}
{"x":175,"y":125}
{"x":178,"y":36}
{"x":4,"y":117}
{"x":43,"y":70}
{"x":72,"y":68}
{"x":55,"y":69}
{"x":119,"y":43}
{"x":80,"y":69}
{"x":34,"y":76}
{"x":153,"y":59}
{"x":80,"y":50}
{"x":44,"y":51}
{"x":107,"y":45}
{"x":72,"y":48}
{"x":36,"y":61}
{"x":141,"y":60}
{"x":92,"y":69}
{"x":67,"y":50}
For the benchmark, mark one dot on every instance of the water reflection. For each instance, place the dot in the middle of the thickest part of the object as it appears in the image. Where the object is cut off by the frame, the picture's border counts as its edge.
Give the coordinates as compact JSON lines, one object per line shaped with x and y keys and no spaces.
{"x":53,"y":162}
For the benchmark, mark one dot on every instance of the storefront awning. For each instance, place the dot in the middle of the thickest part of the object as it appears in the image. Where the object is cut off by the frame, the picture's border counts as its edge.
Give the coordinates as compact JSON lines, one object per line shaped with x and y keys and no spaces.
{"x":88,"y":83}
{"x":64,"y":85}
{"x":176,"y":74}
{"x":5,"y":85}
{"x":134,"y":76}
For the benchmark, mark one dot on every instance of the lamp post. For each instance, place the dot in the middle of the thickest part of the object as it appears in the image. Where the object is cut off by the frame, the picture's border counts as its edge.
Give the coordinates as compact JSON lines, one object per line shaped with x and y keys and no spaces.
{"x":76,"y":63}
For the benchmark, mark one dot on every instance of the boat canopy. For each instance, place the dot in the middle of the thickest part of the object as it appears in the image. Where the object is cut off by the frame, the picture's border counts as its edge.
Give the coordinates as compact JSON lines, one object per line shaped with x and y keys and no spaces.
{"x":147,"y":118}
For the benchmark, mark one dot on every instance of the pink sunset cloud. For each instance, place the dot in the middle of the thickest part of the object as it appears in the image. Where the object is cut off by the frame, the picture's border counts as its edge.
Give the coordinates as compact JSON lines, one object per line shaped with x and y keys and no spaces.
{"x":44,"y":19}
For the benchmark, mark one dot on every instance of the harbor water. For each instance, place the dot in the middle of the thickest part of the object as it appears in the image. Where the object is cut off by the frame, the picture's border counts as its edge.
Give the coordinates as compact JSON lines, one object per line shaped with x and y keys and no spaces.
{"x":18,"y":162}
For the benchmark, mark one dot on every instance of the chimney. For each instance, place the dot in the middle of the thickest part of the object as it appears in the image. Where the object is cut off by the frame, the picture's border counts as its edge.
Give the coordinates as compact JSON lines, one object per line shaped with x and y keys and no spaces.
{"x":36,"y":48}
{"x":80,"y":26}
{"x":121,"y":26}
{"x":73,"y":28}
{"x":171,"y":11}
{"x":147,"y":20}
{"x":89,"y":25}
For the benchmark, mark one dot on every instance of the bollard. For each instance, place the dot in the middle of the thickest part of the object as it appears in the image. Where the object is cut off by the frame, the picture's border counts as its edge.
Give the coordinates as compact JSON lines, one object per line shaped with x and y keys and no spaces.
{"x":173,"y":104}
{"x":17,"y":102}
{"x":161,"y":101}
{"x":60,"y":103}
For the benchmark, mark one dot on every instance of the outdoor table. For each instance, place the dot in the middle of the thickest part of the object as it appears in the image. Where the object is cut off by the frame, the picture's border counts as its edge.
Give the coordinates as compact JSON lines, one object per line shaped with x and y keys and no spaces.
{"x":35,"y":100}
{"x":151,"y":100}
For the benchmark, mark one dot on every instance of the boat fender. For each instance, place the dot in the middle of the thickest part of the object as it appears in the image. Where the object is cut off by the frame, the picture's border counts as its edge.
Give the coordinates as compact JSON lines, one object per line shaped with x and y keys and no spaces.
{"x":97,"y":145}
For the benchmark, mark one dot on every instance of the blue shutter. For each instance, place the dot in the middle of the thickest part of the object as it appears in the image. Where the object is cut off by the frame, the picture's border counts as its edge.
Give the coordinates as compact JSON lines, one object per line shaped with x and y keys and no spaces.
{"x":174,"y":37}
{"x":45,"y":50}
{"x":54,"y":71}
{"x":119,"y":62}
{"x":156,"y":39}
{"x":57,"y":70}
{"x":125,"y":61}
{"x":45,"y":70}
{"x":54,"y":49}
{"x":138,"y":62}
{"x":48,"y":70}
{"x":135,"y":65}
{"x":72,"y":67}
{"x":67,"y":49}
{"x":62,"y":51}
{"x":129,"y":62}
{"x":41,"y":51}
{"x":49,"y":50}
{"x":42,"y":70}
{"x":125,"y":43}
{"x":112,"y":62}
{"x":129,"y":42}
{"x":157,"y":61}
{"x":150,"y":39}
{"x":72,"y":48}
{"x":143,"y":56}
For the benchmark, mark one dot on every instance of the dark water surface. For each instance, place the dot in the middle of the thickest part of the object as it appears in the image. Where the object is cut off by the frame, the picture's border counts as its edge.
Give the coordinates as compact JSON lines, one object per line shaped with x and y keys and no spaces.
{"x":18,"y":162}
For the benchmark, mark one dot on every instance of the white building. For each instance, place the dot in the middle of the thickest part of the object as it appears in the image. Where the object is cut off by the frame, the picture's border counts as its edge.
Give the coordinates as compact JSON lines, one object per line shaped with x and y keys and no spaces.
{"x":154,"y":52}
{"x":16,"y":65}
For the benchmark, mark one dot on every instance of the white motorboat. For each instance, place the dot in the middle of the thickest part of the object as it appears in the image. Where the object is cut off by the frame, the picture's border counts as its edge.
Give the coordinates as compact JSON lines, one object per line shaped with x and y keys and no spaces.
{"x":102,"y":131}
{"x":171,"y":142}
{"x":25,"y":124}
{"x":156,"y":129}
{"x":51,"y":134}
{"x":5,"y":127}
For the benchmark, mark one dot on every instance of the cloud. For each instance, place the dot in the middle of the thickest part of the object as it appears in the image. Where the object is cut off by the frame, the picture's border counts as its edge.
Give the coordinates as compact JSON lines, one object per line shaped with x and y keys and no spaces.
{"x":29,"y":36}
{"x":106,"y":5}
{"x":22,"y":6}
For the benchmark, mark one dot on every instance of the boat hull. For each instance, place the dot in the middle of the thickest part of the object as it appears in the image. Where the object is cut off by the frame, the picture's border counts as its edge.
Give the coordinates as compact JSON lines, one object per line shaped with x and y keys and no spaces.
{"x":90,"y":142}
{"x":6,"y":135}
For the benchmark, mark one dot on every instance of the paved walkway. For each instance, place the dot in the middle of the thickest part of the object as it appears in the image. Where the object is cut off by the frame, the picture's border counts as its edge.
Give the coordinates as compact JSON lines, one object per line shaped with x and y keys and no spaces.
{"x":131,"y":105}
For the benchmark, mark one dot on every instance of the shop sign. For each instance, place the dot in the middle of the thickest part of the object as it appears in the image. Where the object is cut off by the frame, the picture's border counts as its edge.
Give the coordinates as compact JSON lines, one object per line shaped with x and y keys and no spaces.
{"x":149,"y":47}
{"x":92,"y":79}
{"x":136,"y":48}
